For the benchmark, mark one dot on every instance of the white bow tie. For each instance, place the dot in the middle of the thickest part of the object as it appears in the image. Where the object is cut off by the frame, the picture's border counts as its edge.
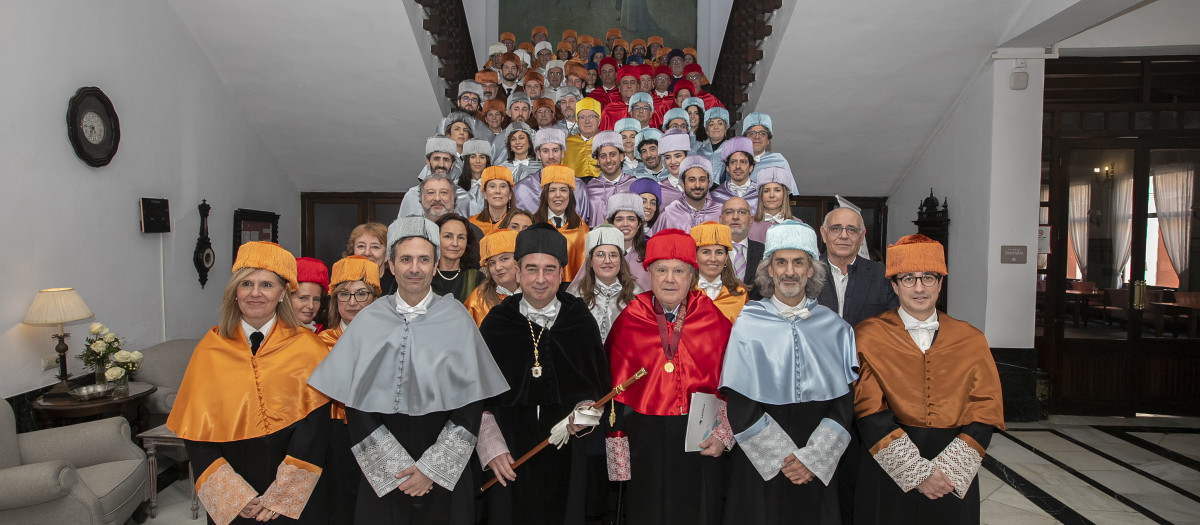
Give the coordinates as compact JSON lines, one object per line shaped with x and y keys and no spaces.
{"x":543,"y":315}
{"x":794,"y":312}
{"x":922,"y":325}
{"x":773,"y":218}
{"x":608,"y":291}
{"x":524,"y":163}
{"x":504,"y":291}
{"x":713,"y":289}
{"x":406,"y":311}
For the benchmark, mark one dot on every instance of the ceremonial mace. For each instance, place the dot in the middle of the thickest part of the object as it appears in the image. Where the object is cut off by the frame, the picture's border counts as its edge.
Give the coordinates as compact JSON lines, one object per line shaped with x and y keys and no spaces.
{"x":599,"y":404}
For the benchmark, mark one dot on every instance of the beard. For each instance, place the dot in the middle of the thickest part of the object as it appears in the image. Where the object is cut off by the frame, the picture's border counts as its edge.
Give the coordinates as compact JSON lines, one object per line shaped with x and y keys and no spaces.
{"x":789,"y":288}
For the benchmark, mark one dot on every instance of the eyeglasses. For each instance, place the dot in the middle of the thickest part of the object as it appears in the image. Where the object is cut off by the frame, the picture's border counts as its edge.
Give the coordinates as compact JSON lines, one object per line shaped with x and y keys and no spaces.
{"x":469,"y":98}
{"x":756,"y":134}
{"x":837,"y":230}
{"x":927,"y":280}
{"x":641,"y":107}
{"x":606,"y":256}
{"x":359,"y":296}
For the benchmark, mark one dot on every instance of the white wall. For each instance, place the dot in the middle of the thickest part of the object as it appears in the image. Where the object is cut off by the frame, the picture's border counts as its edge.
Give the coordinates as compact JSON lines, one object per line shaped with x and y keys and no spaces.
{"x":985,"y":159}
{"x":182,"y":137}
{"x":1013,"y":215}
{"x":957,"y":165}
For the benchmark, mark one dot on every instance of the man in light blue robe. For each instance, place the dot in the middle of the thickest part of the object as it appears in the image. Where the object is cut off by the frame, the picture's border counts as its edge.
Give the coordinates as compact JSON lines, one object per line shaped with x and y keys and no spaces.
{"x":757,"y":128}
{"x":788,"y":378}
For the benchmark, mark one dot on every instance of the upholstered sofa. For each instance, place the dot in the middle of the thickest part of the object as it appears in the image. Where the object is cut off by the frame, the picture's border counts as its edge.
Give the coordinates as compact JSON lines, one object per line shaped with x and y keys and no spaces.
{"x":86,"y":473}
{"x":163,"y":365}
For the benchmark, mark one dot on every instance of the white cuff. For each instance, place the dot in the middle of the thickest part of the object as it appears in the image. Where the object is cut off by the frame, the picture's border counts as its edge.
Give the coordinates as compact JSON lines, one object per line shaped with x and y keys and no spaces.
{"x":903,"y":462}
{"x":443,"y":462}
{"x":380,"y":457}
{"x":766,"y":445}
{"x":959,"y":462}
{"x":824,"y":449}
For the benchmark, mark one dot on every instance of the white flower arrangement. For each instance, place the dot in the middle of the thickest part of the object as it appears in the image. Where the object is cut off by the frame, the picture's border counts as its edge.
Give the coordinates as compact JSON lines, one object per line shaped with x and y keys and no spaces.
{"x":114,"y":373}
{"x":104,"y":352}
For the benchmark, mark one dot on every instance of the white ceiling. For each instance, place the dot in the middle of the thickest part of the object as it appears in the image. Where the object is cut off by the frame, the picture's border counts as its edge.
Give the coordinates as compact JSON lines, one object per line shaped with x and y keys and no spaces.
{"x":865,"y":84}
{"x":334,"y":88}
{"x":341,"y":93}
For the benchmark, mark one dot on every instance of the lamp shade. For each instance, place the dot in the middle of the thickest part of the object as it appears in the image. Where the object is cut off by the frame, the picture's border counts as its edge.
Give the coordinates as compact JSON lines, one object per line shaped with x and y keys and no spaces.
{"x":56,"y":306}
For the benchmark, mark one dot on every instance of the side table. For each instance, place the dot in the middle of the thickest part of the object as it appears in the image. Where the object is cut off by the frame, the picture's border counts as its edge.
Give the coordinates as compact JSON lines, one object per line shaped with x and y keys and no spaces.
{"x":62,"y":409}
{"x":162,"y":436}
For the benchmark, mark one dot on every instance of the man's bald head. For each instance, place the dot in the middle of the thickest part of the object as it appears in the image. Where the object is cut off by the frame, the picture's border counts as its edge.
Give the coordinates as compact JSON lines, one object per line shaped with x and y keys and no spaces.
{"x":737,"y":215}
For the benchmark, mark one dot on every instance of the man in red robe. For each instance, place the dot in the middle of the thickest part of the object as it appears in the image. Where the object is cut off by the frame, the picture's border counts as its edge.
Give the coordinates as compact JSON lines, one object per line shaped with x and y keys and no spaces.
{"x":678,"y":335}
{"x":695,"y":74}
{"x":617,"y":107}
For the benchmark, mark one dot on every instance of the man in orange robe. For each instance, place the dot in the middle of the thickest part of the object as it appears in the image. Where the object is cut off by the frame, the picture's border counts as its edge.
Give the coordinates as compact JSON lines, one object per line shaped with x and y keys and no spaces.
{"x":926,"y":402}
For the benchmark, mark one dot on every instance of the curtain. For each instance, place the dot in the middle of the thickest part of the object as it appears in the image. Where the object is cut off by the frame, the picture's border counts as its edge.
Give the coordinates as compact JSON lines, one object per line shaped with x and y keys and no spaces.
{"x":1080,"y":203}
{"x":1173,"y":200}
{"x":1122,"y":223}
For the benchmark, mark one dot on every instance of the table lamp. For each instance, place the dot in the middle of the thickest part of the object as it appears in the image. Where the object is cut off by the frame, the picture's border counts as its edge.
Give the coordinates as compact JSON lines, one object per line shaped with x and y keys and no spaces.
{"x":55,"y":306}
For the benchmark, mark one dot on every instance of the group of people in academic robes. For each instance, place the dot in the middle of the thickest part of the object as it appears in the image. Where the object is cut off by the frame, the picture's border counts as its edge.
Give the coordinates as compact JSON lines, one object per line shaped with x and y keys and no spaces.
{"x":403,"y":407}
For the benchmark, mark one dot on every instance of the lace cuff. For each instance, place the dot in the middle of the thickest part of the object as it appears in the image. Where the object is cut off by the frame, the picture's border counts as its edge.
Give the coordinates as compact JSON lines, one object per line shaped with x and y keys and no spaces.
{"x":223,"y":492}
{"x":294,"y":482}
{"x":491,"y":440}
{"x":617,"y":450}
{"x":443,"y":462}
{"x":766,"y":445}
{"x":380,"y":457}
{"x":723,"y":431}
{"x":903,"y":462}
{"x":959,"y":462}
{"x":824,"y":449}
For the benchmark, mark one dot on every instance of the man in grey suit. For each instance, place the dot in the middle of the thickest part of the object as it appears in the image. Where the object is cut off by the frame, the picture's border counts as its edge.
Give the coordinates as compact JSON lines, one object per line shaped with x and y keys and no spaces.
{"x":746,"y":254}
{"x":856,"y":288}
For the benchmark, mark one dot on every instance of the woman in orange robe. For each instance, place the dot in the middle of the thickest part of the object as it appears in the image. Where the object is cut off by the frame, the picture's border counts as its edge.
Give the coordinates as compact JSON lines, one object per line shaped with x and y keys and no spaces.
{"x":499,"y":268}
{"x":497,"y":198}
{"x":353,"y":285}
{"x":716,"y":278}
{"x":557,"y":207}
{"x":255,"y":432}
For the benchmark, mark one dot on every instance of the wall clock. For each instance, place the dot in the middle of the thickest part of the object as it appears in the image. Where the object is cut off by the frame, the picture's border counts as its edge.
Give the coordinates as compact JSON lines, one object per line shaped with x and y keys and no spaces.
{"x":92,"y":126}
{"x":203,"y":257}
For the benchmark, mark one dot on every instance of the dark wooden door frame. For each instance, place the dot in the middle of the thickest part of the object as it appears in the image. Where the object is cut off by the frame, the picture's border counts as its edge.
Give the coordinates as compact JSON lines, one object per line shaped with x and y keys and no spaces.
{"x":1131,"y":364}
{"x":366,"y":202}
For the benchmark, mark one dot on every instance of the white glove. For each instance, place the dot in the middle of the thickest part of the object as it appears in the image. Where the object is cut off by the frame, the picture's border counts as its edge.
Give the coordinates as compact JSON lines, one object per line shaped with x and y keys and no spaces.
{"x":585,"y":416}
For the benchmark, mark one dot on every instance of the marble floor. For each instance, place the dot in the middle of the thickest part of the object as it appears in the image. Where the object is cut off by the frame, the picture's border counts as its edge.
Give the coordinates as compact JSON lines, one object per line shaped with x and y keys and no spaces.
{"x":1068,"y":469}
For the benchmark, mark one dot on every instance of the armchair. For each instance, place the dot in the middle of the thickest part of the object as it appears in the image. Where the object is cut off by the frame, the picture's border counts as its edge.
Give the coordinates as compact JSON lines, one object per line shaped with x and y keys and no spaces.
{"x":86,"y":473}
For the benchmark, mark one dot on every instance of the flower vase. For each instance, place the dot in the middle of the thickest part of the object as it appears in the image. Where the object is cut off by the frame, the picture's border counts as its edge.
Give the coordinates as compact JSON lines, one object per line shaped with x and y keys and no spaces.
{"x":121,"y":386}
{"x":99,"y":369}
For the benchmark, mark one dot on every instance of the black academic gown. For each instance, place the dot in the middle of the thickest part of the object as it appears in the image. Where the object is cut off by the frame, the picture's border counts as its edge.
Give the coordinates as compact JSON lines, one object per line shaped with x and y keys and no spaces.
{"x":416,"y":434}
{"x":779,"y":501}
{"x":550,"y":487}
{"x":257,"y":460}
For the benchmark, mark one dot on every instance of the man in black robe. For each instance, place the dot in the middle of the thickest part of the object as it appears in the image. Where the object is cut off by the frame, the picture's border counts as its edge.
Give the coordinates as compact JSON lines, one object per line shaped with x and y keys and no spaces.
{"x":413,"y":373}
{"x":548,"y":346}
